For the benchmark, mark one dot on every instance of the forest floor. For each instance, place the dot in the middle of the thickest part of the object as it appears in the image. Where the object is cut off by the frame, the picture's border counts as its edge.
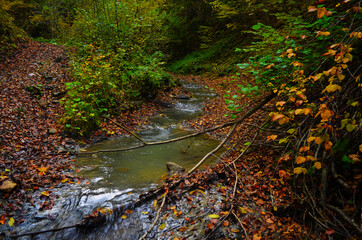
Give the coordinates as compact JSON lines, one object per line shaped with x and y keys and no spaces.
{"x":34,"y":152}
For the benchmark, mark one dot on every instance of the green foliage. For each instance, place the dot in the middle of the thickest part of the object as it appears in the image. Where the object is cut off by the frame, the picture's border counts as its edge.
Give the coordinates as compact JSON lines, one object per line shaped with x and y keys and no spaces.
{"x":116,"y":62}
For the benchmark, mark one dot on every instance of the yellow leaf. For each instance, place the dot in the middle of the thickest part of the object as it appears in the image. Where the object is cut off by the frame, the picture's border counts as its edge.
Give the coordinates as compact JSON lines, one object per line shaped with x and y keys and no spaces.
{"x":310,"y":158}
{"x":281,"y":121}
{"x":271,"y":137}
{"x":213,"y":216}
{"x":301,"y":159}
{"x":350,"y":127}
{"x":280,"y":103}
{"x":298,"y":111}
{"x":360,"y":148}
{"x":155,"y":203}
{"x":310,"y":139}
{"x":300,"y":170}
{"x":332,"y":88}
{"x":163,"y":225}
{"x":242,"y":210}
{"x":318,"y":165}
{"x":11,"y":222}
{"x":42,"y":170}
{"x":45,"y":193}
{"x":123,"y":216}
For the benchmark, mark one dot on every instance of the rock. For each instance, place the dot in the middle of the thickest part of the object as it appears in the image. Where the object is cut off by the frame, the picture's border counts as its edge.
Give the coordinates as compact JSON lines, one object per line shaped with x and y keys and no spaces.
{"x":61,"y":149}
{"x":183,"y":97}
{"x":34,"y":90}
{"x":43,"y":103}
{"x":7,"y":186}
{"x":52,"y":130}
{"x":171,"y":166}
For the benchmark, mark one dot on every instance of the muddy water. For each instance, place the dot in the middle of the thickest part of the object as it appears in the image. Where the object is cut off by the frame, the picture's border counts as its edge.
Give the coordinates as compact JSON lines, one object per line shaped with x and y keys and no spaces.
{"x":117,"y":178}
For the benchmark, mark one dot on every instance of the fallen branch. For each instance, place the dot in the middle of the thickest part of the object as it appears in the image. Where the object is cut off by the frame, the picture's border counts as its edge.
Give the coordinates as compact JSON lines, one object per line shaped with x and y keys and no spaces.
{"x":345,"y":218}
{"x":240,"y":120}
{"x":144,"y":143}
{"x":156,"y":219}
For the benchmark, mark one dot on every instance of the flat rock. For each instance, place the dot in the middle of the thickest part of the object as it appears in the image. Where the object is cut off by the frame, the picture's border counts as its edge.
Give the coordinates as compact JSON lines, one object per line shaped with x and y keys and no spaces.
{"x":171,"y":166}
{"x":52,"y":130}
{"x":7,"y":186}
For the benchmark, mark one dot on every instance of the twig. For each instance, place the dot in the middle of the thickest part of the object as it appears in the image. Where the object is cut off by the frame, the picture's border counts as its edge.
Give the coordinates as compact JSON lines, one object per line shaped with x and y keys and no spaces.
{"x":213,"y":151}
{"x":345,"y":218}
{"x":156,"y":219}
{"x":241,"y":224}
{"x":126,"y":129}
{"x":240,"y":120}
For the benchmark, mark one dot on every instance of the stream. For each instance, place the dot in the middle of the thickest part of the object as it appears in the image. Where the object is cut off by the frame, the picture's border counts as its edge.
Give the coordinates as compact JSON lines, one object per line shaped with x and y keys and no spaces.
{"x":117,"y":178}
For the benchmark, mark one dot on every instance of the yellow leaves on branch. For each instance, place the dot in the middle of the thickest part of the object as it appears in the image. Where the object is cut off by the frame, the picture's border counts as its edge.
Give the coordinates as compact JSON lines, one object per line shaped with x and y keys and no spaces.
{"x":332,"y":88}
{"x":356,"y":35}
{"x":281,"y":118}
{"x":320,"y":33}
{"x":299,"y":170}
{"x":304,"y":111}
{"x":325,"y":113}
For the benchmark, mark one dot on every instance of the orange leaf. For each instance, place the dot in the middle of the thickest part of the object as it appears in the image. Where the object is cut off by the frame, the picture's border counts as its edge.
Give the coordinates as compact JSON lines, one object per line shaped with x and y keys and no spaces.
{"x":318,"y":140}
{"x":129,"y":211}
{"x":256,"y":236}
{"x":271,"y":137}
{"x":304,"y":149}
{"x":328,"y":145}
{"x":234,"y":230}
{"x":226,"y":223}
{"x":318,"y":165}
{"x":2,"y":219}
{"x":280,"y":103}
{"x":312,"y":8}
{"x":277,"y":116}
{"x":301,"y":159}
{"x":321,"y":12}
{"x":183,"y":229}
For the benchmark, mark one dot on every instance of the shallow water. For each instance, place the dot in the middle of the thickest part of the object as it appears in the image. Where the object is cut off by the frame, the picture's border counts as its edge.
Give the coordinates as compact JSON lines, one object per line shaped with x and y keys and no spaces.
{"x":117,"y":178}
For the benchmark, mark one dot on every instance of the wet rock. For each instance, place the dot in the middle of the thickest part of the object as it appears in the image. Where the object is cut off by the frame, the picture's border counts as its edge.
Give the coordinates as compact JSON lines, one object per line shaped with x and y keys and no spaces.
{"x":182,"y":97}
{"x":61,"y":149}
{"x":52,"y":130}
{"x":171,"y":166}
